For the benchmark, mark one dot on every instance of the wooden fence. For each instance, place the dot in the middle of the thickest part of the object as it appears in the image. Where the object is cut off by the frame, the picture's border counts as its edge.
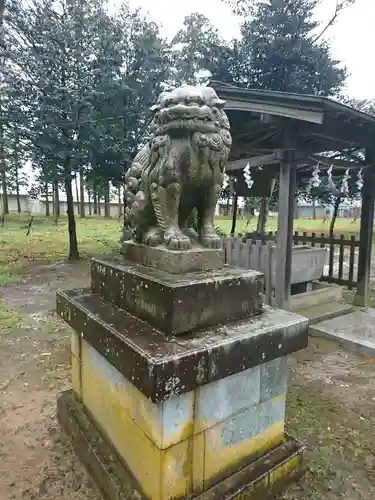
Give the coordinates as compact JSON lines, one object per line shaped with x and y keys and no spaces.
{"x":258,"y":250}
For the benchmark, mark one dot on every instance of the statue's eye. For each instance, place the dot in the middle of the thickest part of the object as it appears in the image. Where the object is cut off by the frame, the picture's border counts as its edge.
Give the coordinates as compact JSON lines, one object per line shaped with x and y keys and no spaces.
{"x":194,"y":101}
{"x":167,"y":103}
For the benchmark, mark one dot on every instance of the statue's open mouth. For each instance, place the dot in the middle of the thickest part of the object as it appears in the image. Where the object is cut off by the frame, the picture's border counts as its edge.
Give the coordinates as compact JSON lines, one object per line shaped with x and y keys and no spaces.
{"x":191,"y":117}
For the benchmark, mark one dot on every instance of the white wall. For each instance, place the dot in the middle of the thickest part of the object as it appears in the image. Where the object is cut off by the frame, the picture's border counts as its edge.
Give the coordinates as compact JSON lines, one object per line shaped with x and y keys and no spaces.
{"x":37,"y":206}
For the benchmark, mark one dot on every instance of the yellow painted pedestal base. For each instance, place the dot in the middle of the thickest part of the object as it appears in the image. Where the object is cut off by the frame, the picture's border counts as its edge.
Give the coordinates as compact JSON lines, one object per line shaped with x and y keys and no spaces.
{"x":191,"y":442}
{"x":265,"y":476}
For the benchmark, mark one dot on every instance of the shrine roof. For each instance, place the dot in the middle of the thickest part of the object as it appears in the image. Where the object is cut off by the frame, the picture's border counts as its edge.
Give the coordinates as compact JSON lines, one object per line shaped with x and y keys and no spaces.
{"x":323,"y":130}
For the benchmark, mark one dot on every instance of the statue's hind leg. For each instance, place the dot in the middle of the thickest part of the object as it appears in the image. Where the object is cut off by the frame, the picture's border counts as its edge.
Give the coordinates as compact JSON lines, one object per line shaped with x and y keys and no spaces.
{"x":208,"y":236}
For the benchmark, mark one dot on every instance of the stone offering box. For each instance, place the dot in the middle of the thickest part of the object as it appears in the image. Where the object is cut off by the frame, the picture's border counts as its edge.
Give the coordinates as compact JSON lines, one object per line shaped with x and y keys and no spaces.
{"x":307,"y":264}
{"x":179,"y":378}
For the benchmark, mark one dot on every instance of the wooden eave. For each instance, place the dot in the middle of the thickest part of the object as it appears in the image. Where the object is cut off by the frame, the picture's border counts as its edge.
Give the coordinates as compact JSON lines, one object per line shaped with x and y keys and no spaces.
{"x":258,"y":119}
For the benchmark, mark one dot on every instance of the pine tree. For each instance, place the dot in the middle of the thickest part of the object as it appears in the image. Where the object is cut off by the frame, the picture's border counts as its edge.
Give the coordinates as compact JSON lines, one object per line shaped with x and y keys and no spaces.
{"x":87,"y":80}
{"x":196,"y":50}
{"x":277,"y":50}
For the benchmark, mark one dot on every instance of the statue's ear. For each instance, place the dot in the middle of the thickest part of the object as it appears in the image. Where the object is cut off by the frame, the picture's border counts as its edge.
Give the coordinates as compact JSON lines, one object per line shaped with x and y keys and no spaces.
{"x":219,"y":103}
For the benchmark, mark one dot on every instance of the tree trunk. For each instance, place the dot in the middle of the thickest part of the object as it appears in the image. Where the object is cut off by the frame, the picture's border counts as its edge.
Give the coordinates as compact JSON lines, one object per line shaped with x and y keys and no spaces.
{"x":295,"y":208}
{"x":119,"y":198}
{"x":234,"y":215}
{"x":5,"y":192}
{"x":56,"y":195}
{"x":2,"y":8}
{"x":89,"y":198}
{"x":314,"y":208}
{"x":18,"y":192}
{"x":334,"y":215}
{"x":107,"y":211}
{"x":82,"y":194}
{"x":47,"y":199}
{"x":99,"y":209}
{"x":263,"y":215}
{"x":77,"y":196}
{"x":95,"y":196}
{"x":264,"y":210}
{"x":73,"y":244}
{"x":228,"y":201}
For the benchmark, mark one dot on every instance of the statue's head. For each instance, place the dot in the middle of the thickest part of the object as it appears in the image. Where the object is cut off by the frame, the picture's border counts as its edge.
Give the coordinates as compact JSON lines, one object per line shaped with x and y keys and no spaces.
{"x":189,"y":109}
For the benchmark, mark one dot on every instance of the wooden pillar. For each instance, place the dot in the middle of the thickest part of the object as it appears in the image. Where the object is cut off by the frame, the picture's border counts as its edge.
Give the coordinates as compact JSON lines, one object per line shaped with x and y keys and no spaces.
{"x":285,"y":218}
{"x":362,"y":297}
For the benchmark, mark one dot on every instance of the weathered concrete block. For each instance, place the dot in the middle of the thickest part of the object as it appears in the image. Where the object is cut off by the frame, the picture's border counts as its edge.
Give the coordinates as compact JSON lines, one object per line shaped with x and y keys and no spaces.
{"x":162,"y":367}
{"x":75,"y":344}
{"x":244,"y":437}
{"x":165,"y":423}
{"x":168,"y":436}
{"x":178,"y":303}
{"x":124,"y":416}
{"x":171,"y":404}
{"x":322,"y":293}
{"x":273,"y":378}
{"x":217,"y":401}
{"x":174,"y":261}
{"x":76,"y":376}
{"x":199,"y":443}
{"x":262,"y":478}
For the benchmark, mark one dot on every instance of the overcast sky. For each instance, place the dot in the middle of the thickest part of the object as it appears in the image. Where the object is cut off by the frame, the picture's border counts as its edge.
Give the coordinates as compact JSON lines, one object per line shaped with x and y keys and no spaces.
{"x":352,"y":38}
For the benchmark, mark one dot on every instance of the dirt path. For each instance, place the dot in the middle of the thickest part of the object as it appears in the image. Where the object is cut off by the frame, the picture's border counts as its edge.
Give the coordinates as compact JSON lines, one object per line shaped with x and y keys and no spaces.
{"x":331,"y":408}
{"x":331,"y":405}
{"x":36,"y":460}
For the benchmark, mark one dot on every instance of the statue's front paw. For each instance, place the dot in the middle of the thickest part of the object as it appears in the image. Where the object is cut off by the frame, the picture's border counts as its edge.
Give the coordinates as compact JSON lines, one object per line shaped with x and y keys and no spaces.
{"x":191,"y":233}
{"x":153,"y":237}
{"x":210,"y":239}
{"x":127,"y":235}
{"x":174,"y":239}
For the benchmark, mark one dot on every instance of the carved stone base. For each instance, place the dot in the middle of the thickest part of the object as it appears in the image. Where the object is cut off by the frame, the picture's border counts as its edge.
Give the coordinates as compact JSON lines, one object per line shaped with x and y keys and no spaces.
{"x":173,"y":261}
{"x":178,"y":303}
{"x":163,"y":366}
{"x":267,"y":475}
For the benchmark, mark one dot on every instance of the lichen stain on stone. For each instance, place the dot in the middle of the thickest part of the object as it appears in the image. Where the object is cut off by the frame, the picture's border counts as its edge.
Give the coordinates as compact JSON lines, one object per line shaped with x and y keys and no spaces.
{"x":213,"y":367}
{"x":172,"y":386}
{"x":201,"y":371}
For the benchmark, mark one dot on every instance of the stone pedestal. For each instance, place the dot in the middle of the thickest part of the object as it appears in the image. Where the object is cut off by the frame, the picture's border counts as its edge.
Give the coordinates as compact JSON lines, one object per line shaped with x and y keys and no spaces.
{"x":182,"y":380}
{"x":178,"y":303}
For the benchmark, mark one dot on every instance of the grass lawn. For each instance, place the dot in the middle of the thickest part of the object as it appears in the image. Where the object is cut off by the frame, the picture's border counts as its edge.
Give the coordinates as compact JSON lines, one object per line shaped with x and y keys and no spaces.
{"x":330,"y":397}
{"x":9,"y":318}
{"x":96,"y":235}
{"x":342,"y":226}
{"x":48,"y":242}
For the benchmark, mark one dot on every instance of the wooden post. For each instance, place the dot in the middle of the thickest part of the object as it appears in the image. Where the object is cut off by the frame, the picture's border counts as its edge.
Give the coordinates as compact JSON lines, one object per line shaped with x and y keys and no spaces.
{"x":234,"y":215}
{"x":362,"y":297}
{"x":285,"y":230}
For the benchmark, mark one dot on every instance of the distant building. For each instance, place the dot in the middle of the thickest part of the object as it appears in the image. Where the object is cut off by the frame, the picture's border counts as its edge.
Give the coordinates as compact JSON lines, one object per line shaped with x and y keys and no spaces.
{"x":306,"y":209}
{"x":38,"y":205}
{"x":224,"y":206}
{"x":346,"y":210}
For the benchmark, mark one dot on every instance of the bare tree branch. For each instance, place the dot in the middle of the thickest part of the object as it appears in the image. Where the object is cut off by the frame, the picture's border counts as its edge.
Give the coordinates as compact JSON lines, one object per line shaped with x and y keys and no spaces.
{"x":2,"y":8}
{"x":340,"y":5}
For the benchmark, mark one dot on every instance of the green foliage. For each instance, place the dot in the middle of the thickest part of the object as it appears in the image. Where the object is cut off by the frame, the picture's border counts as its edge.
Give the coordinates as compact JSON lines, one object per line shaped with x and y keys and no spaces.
{"x":79,"y":85}
{"x":79,"y":82}
{"x":196,"y":50}
{"x":278,"y":50}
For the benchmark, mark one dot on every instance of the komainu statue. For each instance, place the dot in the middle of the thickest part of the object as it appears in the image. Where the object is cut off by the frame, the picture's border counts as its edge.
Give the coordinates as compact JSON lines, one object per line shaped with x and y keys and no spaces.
{"x":174,"y":182}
